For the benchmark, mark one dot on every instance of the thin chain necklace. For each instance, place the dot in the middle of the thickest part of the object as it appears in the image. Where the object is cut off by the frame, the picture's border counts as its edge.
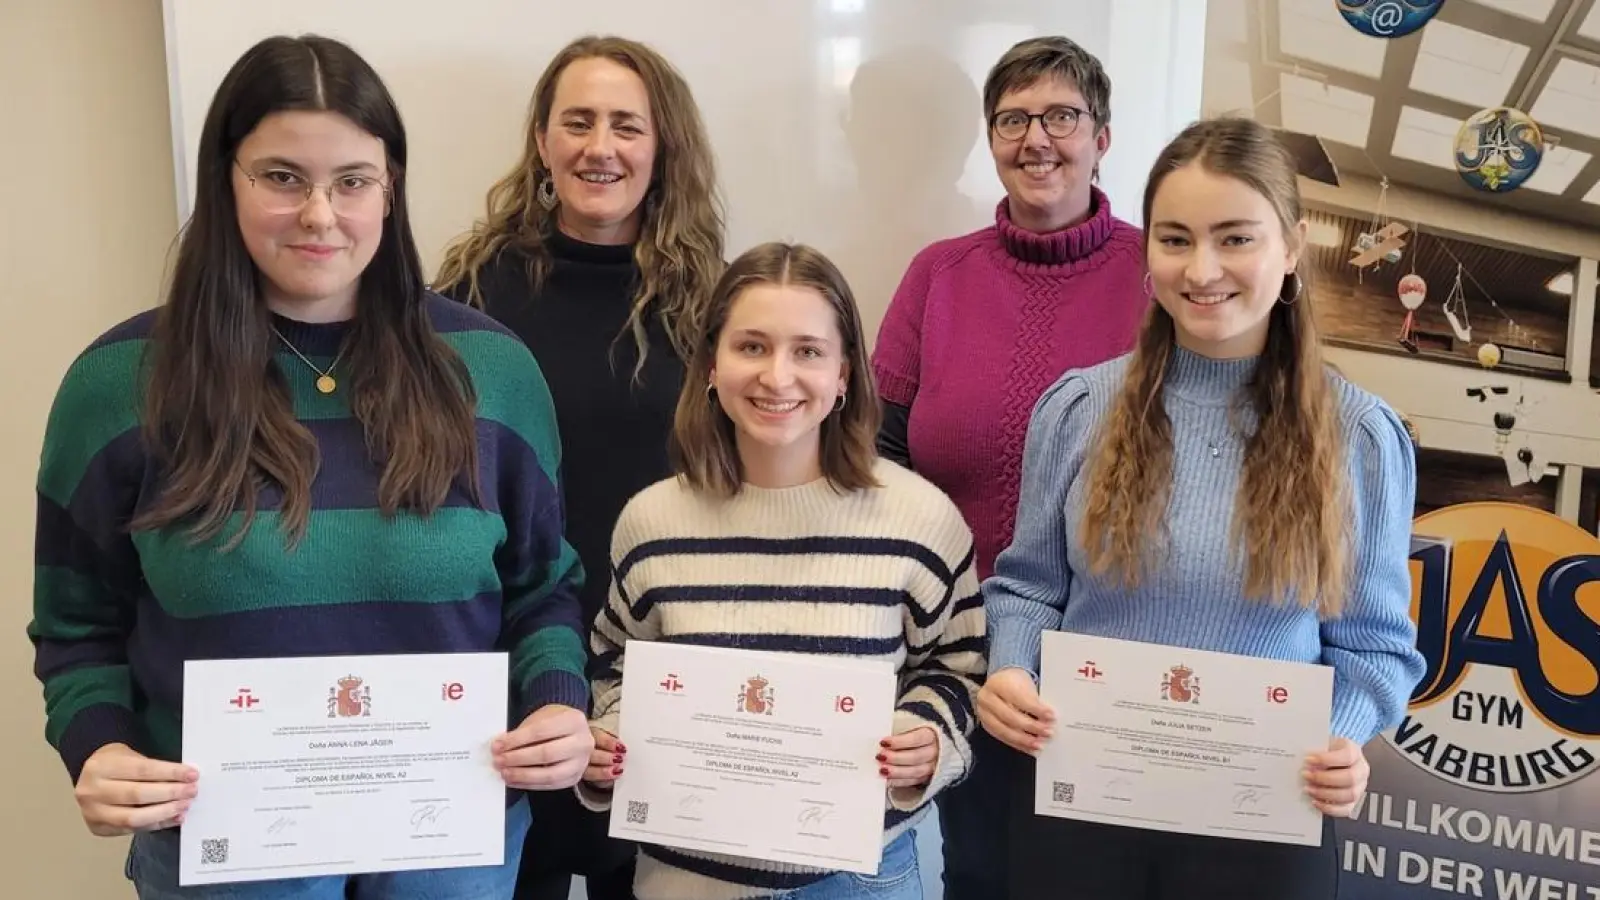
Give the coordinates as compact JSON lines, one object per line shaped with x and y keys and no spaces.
{"x":325,"y":382}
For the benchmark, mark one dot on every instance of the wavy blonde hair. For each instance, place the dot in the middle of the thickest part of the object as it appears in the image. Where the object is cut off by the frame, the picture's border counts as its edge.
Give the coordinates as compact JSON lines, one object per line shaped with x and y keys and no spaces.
{"x":1291,"y":523}
{"x":680,"y":245}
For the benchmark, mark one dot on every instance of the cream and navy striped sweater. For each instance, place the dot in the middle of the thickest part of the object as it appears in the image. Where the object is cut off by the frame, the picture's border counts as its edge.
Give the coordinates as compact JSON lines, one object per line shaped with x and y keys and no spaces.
{"x":884,"y":573}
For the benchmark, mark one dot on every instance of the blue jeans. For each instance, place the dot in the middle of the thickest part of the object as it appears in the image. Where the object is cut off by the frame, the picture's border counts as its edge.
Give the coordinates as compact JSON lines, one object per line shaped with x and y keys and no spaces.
{"x":898,"y":878}
{"x":153,"y":869}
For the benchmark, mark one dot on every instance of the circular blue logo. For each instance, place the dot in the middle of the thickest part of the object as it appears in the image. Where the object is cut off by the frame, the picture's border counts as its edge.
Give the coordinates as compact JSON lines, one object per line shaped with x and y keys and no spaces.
{"x":1499,"y":149}
{"x":1387,"y":18}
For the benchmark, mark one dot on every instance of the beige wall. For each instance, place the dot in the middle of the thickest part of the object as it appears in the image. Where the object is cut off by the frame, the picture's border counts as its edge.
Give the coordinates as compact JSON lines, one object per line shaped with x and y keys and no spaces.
{"x":86,"y":215}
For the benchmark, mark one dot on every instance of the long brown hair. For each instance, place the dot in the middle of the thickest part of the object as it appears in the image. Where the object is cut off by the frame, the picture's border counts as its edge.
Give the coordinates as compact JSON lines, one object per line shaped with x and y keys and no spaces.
{"x":702,"y":444}
{"x":218,"y":414}
{"x":680,"y":245}
{"x":1290,"y":525}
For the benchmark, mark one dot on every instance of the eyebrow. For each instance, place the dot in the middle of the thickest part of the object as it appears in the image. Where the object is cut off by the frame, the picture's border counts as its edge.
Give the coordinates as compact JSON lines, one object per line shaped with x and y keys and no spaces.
{"x":1220,"y":226}
{"x":590,"y":112}
{"x":804,"y":338}
{"x":284,"y":162}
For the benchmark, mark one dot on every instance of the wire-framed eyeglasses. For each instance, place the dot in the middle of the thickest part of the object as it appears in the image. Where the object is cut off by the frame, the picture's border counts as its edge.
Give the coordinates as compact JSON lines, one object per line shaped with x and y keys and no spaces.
{"x":282,"y":190}
{"x":1057,"y":121}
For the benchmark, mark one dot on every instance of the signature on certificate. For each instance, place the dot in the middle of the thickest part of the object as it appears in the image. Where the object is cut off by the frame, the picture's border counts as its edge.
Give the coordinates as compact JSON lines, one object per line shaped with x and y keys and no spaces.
{"x":284,"y":823}
{"x":427,"y":814}
{"x":1250,"y":797}
{"x":814,"y":814}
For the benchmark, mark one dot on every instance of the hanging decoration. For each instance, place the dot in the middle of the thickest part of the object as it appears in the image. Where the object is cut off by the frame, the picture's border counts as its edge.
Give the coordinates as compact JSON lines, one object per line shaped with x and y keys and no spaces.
{"x":1488,"y":355}
{"x":1388,"y":18}
{"x":1455,"y":310}
{"x":1384,"y":242}
{"x":1498,"y":149}
{"x":1413,"y":291}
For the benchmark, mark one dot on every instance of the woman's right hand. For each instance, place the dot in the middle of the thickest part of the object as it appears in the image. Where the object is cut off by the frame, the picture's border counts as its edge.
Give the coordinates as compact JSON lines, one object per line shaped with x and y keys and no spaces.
{"x":605,"y":761}
{"x":121,"y":791}
{"x":1010,"y":709}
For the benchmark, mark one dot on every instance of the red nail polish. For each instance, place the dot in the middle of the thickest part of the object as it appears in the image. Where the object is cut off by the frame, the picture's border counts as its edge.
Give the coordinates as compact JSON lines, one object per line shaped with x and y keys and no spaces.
{"x":884,"y":771}
{"x":617,"y":758}
{"x":883,"y":743}
{"x":616,"y":770}
{"x":621,"y":749}
{"x":883,"y":757}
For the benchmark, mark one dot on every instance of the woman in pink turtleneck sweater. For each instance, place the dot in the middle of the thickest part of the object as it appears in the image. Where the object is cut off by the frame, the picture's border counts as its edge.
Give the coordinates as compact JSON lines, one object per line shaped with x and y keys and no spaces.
{"x":983,"y":323}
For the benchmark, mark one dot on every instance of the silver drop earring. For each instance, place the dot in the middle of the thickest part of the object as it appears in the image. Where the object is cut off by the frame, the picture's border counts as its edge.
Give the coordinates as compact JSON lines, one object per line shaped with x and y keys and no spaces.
{"x":546,"y":193}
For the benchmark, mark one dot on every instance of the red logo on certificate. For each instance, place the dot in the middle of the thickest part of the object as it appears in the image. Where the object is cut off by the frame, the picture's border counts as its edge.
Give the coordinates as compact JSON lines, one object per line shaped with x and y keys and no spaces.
{"x":1180,"y":685}
{"x":350,"y":698}
{"x":244,"y":699}
{"x":757,"y":697}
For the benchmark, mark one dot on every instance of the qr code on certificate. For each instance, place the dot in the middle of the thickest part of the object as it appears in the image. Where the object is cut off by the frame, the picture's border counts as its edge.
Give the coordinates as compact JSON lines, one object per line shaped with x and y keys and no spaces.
{"x":1061,"y":792}
{"x":638,"y":812}
{"x":213,"y":851}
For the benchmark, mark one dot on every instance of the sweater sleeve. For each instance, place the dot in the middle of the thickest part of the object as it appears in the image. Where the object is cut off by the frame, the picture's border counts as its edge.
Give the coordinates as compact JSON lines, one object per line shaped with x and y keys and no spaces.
{"x":86,"y":571}
{"x":897,"y":355}
{"x":1027,"y":592}
{"x":540,"y":573}
{"x":620,"y":621}
{"x":945,"y":659}
{"x":1372,"y":645}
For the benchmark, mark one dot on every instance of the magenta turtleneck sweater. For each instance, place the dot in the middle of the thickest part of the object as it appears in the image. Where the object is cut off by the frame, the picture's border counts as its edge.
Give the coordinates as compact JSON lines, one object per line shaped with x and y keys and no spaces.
{"x":980,"y":326}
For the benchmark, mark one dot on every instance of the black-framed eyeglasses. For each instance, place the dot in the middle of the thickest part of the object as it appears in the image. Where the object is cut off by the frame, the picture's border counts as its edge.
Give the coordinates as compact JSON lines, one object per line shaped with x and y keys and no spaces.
{"x":1057,"y":122}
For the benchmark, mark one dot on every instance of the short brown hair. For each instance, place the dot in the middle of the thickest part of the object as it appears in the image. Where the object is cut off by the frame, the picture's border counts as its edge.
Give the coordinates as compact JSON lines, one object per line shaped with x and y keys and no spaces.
{"x":1035,"y":59}
{"x":703,"y":449}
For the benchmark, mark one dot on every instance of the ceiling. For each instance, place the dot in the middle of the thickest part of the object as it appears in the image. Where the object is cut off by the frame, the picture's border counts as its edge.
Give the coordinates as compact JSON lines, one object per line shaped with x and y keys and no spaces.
{"x":1391,"y":108}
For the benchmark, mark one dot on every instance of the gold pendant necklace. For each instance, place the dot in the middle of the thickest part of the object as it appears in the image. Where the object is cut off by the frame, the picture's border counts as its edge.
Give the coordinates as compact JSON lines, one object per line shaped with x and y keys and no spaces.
{"x":325,"y":382}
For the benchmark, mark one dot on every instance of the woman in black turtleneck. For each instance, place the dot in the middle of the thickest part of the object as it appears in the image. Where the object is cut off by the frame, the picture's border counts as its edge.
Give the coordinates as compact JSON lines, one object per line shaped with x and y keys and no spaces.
{"x":599,"y":250}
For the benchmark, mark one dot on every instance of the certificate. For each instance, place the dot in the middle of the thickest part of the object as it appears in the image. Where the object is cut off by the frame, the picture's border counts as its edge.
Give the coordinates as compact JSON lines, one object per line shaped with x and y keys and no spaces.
{"x":1181,"y":740}
{"x":337,"y":765}
{"x":762,"y":755}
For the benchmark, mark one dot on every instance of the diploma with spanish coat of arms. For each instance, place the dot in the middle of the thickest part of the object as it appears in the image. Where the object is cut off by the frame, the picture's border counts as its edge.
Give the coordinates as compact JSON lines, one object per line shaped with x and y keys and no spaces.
{"x":344,"y":764}
{"x":1174,"y":739}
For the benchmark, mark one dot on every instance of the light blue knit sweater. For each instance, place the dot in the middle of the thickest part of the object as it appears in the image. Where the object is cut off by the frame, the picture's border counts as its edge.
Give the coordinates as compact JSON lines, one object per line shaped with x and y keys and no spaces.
{"x":1195,"y":597}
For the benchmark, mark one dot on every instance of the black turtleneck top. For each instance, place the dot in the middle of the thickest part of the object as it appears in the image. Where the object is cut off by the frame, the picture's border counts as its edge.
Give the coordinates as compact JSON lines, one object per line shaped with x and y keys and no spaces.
{"x":613,"y":427}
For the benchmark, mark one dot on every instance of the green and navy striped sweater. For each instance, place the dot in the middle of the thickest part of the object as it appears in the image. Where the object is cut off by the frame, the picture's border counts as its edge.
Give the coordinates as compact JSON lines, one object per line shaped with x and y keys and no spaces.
{"x":116,"y":613}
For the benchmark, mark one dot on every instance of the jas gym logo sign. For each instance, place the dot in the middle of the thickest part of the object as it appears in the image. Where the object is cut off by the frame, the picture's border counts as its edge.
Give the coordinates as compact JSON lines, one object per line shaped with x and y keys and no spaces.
{"x":1506,"y":602}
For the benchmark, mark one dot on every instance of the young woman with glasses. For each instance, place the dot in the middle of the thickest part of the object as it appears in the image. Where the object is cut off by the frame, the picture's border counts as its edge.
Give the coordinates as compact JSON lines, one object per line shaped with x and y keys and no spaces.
{"x":301,"y":453}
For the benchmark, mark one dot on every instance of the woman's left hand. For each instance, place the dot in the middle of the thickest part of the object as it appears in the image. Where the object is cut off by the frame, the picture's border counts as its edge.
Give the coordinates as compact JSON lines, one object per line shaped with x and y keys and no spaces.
{"x":910,"y":759}
{"x":547,"y":752}
{"x":1336,"y":778}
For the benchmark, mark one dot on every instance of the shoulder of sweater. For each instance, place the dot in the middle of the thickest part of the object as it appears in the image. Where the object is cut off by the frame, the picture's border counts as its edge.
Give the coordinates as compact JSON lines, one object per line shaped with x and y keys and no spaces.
{"x":947,"y":253}
{"x":1126,"y":235}
{"x":932,"y":516}
{"x":1371,"y":426}
{"x":107,"y":375}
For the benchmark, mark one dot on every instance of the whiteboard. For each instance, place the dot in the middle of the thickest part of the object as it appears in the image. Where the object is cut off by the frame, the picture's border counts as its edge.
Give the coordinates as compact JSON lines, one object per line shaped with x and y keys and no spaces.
{"x":853,"y":125}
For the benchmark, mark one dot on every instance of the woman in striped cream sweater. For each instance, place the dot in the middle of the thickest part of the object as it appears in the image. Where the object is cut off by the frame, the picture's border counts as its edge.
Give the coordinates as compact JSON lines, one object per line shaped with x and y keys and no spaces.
{"x":783,"y":531}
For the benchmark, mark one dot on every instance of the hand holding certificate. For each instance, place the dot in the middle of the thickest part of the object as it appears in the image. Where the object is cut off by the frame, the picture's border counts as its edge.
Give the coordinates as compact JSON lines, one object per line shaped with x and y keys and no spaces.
{"x":760,"y":755}
{"x":1181,"y":740}
{"x":338,"y":765}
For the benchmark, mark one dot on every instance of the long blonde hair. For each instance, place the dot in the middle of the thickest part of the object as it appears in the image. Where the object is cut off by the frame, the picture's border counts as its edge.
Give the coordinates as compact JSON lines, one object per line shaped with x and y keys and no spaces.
{"x":680,"y":245}
{"x":1290,"y":526}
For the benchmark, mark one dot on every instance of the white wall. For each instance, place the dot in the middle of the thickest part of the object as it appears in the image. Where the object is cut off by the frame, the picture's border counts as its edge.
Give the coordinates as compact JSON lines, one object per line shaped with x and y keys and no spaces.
{"x":86,"y":214}
{"x":869,"y":170}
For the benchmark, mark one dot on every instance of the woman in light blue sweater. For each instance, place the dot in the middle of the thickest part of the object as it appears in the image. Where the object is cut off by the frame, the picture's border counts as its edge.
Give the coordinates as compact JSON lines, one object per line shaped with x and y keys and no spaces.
{"x":1219,"y":488}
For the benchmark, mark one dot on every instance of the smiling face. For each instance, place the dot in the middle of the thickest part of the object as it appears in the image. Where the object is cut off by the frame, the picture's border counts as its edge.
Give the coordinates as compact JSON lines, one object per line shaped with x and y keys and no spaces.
{"x":780,"y":369}
{"x":600,"y":147}
{"x":1047,"y":178}
{"x":1218,"y":257}
{"x":310,"y":252}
